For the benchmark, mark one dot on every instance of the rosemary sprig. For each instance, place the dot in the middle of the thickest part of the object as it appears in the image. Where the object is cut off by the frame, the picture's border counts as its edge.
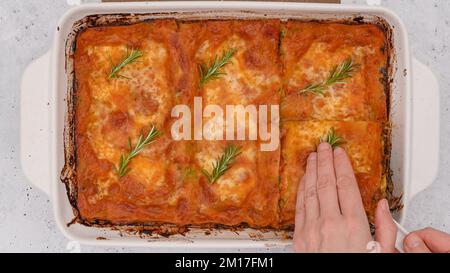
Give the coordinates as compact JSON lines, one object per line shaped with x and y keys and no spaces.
{"x":122,"y":169}
{"x":333,"y":139}
{"x":223,"y":163}
{"x":129,"y":58}
{"x":337,"y":75}
{"x":213,"y":69}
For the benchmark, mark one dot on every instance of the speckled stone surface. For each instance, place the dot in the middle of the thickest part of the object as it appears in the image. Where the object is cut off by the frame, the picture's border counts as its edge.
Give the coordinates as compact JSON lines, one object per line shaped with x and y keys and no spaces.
{"x":26,"y":30}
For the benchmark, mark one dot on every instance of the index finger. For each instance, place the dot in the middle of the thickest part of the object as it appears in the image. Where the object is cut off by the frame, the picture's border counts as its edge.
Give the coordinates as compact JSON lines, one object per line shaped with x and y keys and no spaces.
{"x":350,"y":200}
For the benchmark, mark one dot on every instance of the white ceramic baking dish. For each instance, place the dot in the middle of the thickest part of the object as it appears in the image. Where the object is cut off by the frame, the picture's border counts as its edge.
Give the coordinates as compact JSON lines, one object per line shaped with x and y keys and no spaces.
{"x":414,"y":115}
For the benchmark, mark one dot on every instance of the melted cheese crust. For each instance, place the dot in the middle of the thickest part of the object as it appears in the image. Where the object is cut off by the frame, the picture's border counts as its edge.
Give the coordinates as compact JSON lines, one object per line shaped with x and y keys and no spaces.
{"x":311,"y":50}
{"x":362,"y":143}
{"x":248,"y":192}
{"x":109,"y":111}
{"x":166,"y":183}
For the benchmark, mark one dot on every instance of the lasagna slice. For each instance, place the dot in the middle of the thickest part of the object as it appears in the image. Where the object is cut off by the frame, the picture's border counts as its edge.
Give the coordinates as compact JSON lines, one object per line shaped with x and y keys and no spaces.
{"x":363,"y":143}
{"x":312,"y":51}
{"x":114,"y":109}
{"x":248,"y":191}
{"x":251,"y":76}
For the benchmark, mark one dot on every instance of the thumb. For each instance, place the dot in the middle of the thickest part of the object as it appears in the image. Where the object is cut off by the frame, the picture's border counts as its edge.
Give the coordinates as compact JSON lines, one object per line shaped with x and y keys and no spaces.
{"x":415,"y":244}
{"x":385,"y":228}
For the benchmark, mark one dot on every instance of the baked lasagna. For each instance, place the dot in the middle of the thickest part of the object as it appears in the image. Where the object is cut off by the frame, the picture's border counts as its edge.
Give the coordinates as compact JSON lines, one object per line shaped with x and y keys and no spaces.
{"x":128,"y":77}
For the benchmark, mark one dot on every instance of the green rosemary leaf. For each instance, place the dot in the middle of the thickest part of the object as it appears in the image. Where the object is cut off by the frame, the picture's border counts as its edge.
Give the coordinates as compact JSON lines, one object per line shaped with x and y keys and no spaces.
{"x":129,"y":58}
{"x":122,"y":169}
{"x":223,"y":163}
{"x":214,"y":69}
{"x":337,"y":75}
{"x":333,"y":139}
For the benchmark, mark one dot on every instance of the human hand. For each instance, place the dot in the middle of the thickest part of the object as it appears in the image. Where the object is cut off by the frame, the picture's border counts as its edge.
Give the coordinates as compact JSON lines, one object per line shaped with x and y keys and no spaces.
{"x":330,"y":215}
{"x":426,"y":241}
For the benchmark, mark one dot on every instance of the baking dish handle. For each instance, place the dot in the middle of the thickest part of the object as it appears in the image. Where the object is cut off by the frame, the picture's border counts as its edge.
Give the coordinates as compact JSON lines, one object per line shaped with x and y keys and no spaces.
{"x":35,"y":129}
{"x":425,"y":128}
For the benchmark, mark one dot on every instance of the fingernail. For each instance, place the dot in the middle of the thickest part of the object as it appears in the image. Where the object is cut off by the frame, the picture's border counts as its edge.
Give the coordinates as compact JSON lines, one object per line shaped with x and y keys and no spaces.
{"x":384,"y":205}
{"x":312,"y":156}
{"x":413,"y":241}
{"x":323,"y":146}
{"x":338,"y":151}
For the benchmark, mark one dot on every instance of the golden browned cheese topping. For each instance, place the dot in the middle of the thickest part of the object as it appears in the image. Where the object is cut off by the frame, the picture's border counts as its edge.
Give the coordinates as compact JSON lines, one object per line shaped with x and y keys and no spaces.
{"x":362,"y":143}
{"x":311,"y":50}
{"x":248,"y":192}
{"x":165,"y":182}
{"x":355,"y":107}
{"x":112,"y":110}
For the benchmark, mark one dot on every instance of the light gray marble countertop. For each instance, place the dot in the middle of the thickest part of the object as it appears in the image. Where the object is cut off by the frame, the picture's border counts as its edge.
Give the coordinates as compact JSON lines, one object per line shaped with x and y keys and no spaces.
{"x":26,"y":30}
